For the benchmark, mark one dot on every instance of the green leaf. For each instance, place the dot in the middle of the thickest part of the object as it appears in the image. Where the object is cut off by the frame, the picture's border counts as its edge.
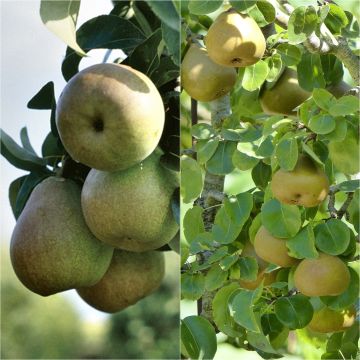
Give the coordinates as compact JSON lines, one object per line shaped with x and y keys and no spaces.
{"x":255,"y":75}
{"x":202,"y":131}
{"x":310,"y":73}
{"x":175,"y":205}
{"x":311,"y":153}
{"x":348,"y":297}
{"x":221,"y":162}
{"x":295,"y":312}
{"x":192,"y":286}
{"x":261,"y":174}
{"x":14,"y":189}
{"x":246,"y":133}
{"x":290,"y":54}
{"x":263,"y":13}
{"x":146,"y":56}
{"x":203,"y":241}
{"x":215,"y":277}
{"x":44,"y":99}
{"x":302,"y":23}
{"x":245,"y":299}
{"x":282,"y":221}
{"x":112,"y":32}
{"x":302,"y":245}
{"x":218,"y":254}
{"x":243,"y":161}
{"x":228,"y":261}
{"x":18,"y":156}
{"x":170,"y":161}
{"x":322,"y":124}
{"x":231,"y":217}
{"x":60,"y":17}
{"x":323,"y":98}
{"x":274,"y":64}
{"x":205,"y":149}
{"x":52,"y":149}
{"x":166,"y":12}
{"x":191,"y":179}
{"x":336,"y":19}
{"x":287,"y":153}
{"x":349,"y":185}
{"x":25,"y":141}
{"x":260,"y":341}
{"x":203,"y":7}
{"x":166,"y":72}
{"x":193,"y":223}
{"x":172,"y":41}
{"x":346,"y":105}
{"x":244,"y":5}
{"x":339,"y":133}
{"x":141,"y":14}
{"x":198,"y":337}
{"x":332,"y":68}
{"x":332,"y":237}
{"x":244,"y":103}
{"x":248,"y":268}
{"x":221,"y":313}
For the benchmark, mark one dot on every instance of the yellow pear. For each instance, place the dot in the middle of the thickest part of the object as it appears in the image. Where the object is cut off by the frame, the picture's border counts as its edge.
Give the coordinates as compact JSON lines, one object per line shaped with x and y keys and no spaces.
{"x":110,"y":117}
{"x":203,"y":79}
{"x":307,"y":185}
{"x":325,"y":276}
{"x":284,"y":96}
{"x":129,"y":278}
{"x":272,"y":249}
{"x":327,"y":320}
{"x":235,"y":40}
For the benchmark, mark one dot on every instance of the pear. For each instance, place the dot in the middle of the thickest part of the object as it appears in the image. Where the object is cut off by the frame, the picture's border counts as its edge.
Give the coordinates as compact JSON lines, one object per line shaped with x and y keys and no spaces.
{"x":249,"y":251}
{"x":235,"y":40}
{"x":306,"y":185}
{"x":130,"y":277}
{"x":272,"y":249}
{"x":284,"y":96}
{"x":325,"y":276}
{"x":52,"y":249}
{"x":110,"y":117}
{"x":327,"y":320}
{"x":131,"y":209}
{"x":203,"y":79}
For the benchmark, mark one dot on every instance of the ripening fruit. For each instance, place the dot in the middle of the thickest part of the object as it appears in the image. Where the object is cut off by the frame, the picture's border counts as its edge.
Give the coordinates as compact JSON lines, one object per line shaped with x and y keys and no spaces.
{"x":272,"y":249}
{"x":327,"y":320}
{"x":203,"y":79}
{"x":235,"y":40}
{"x":307,"y":185}
{"x":325,"y":276}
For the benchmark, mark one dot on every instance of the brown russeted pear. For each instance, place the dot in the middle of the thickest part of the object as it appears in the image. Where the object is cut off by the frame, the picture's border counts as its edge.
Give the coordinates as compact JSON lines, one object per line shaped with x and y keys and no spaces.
{"x":203,"y":79}
{"x":131,"y":209}
{"x":110,"y":117}
{"x":306,"y":185}
{"x":272,"y":249}
{"x":327,"y":320}
{"x":130,"y":277}
{"x":326,"y":275}
{"x":52,"y":249}
{"x":235,"y":39}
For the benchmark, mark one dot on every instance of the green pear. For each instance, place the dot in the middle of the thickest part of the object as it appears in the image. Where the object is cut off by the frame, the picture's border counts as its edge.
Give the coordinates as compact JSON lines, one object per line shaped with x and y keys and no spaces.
{"x":307,"y":185}
{"x":235,"y":40}
{"x":203,"y":79}
{"x":110,"y":117}
{"x":131,"y":209}
{"x":284,"y":96}
{"x":52,"y":249}
{"x":130,"y":277}
{"x":325,"y":276}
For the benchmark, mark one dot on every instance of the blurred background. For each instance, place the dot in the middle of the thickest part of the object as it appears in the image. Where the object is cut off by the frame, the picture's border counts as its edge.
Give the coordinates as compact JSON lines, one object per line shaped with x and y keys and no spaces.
{"x":62,"y":326}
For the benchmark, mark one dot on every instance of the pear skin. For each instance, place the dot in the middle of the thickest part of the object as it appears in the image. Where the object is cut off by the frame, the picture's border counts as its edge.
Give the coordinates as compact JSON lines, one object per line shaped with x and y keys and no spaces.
{"x":307,"y":185}
{"x":130,"y":277}
{"x":110,"y":117}
{"x":272,"y":249}
{"x":235,"y":40}
{"x":203,"y":79}
{"x":51,"y":248}
{"x":131,"y":209}
{"x":325,"y":276}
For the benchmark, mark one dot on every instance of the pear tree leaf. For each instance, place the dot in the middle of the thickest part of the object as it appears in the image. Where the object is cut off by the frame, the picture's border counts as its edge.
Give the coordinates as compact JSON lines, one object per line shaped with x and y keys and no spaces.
{"x":302,"y":22}
{"x":166,"y":12}
{"x":261,"y":174}
{"x":202,"y":241}
{"x":192,"y":286}
{"x":339,"y":133}
{"x":255,"y":75}
{"x":302,"y":245}
{"x":310,"y":73}
{"x":260,"y":341}
{"x":215,"y":277}
{"x":191,"y":179}
{"x":205,"y":149}
{"x":171,"y":38}
{"x":323,"y":98}
{"x":202,"y":131}
{"x":274,"y":63}
{"x":332,"y":237}
{"x":175,"y":205}
{"x":346,"y":105}
{"x":247,"y":133}
{"x":198,"y":337}
{"x":44,"y":99}
{"x":349,"y":185}
{"x":218,"y":254}
{"x":60,"y":17}
{"x":266,"y":147}
{"x":336,"y":19}
{"x":290,"y":54}
{"x":221,"y":312}
{"x":322,"y":123}
{"x":248,"y":268}
{"x":332,"y":68}
{"x":228,"y":261}
{"x":243,"y":6}
{"x":203,"y":7}
{"x":287,"y":153}
{"x":295,"y":312}
{"x":166,"y":72}
{"x":281,"y":220}
{"x":52,"y":149}
{"x":221,"y":162}
{"x":14,"y":189}
{"x":25,"y":141}
{"x":243,"y":161}
{"x":263,"y":13}
{"x":306,"y":148}
{"x":193,"y":223}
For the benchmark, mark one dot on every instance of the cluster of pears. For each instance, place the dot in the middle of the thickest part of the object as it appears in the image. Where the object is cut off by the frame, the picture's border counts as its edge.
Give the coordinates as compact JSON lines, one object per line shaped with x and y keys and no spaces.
{"x":100,"y":239}
{"x":233,"y":40}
